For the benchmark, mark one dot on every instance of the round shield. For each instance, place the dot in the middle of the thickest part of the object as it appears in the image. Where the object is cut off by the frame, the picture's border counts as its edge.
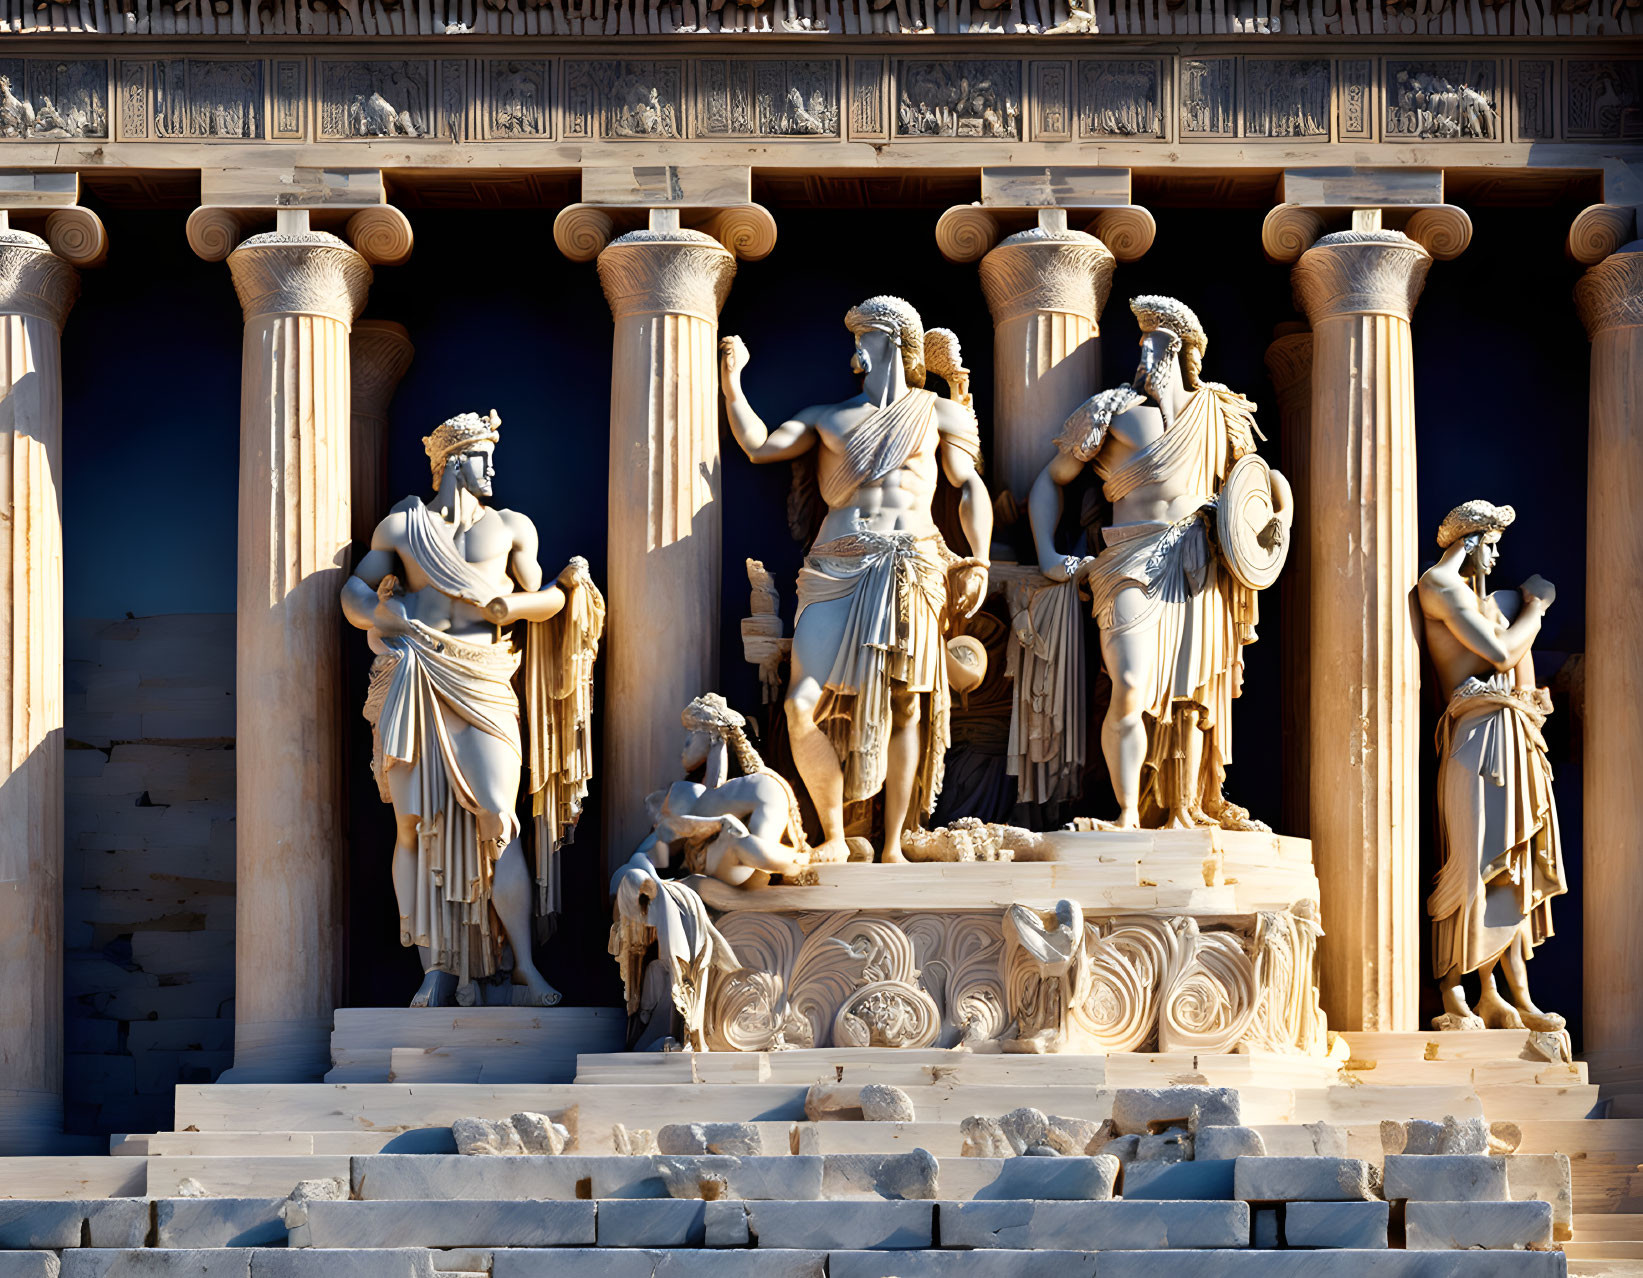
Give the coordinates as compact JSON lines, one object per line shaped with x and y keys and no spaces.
{"x":966,"y":663}
{"x":1253,"y":547}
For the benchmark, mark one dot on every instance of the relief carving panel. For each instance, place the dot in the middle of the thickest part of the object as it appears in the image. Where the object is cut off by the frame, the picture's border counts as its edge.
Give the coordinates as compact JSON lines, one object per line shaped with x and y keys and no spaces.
{"x":290,"y":100}
{"x":1354,"y":92}
{"x":1447,"y":99}
{"x":867,"y":116}
{"x":767,"y":98}
{"x":960,"y":98}
{"x":1120,"y":98}
{"x":376,"y":99}
{"x":1536,"y":100}
{"x":1052,"y":101}
{"x":1286,"y":98}
{"x":519,"y":98}
{"x":1605,"y":100}
{"x":52,"y":98}
{"x":193,"y":98}
{"x":619,"y":99}
{"x":1209,"y":97}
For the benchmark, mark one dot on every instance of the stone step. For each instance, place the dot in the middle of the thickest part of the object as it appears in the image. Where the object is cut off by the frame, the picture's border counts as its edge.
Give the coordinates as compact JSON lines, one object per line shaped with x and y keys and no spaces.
{"x":473,"y":1045}
{"x":244,"y":1176}
{"x":1609,"y":1227}
{"x":1424,"y":1045}
{"x":426,"y":1140}
{"x":77,"y":1176}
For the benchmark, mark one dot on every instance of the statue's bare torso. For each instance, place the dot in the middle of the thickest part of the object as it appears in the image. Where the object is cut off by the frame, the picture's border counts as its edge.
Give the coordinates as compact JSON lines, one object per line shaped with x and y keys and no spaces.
{"x":901,"y":501}
{"x":488,"y":544}
{"x":1169,"y":497}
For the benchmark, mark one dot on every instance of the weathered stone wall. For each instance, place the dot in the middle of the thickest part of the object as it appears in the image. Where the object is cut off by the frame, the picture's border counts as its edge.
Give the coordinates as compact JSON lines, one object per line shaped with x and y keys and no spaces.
{"x":149,"y":874}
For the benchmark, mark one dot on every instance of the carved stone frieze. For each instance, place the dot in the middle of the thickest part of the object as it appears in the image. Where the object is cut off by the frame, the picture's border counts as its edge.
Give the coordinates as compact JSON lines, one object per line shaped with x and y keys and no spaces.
{"x":1120,"y":98}
{"x":1446,"y":99}
{"x":1286,"y":97}
{"x":289,"y":113}
{"x":1020,"y":978}
{"x":609,"y":99}
{"x":1052,"y":101}
{"x":1038,"y":270}
{"x":1604,"y":99}
{"x":518,"y":98}
{"x":868,"y":119}
{"x":961,"y":98}
{"x":45,"y":98}
{"x":678,"y":272}
{"x":378,"y":98}
{"x":1361,"y":273}
{"x":34,"y":281}
{"x":196,"y":98}
{"x":1354,"y":94}
{"x":1209,"y":97}
{"x":310,"y":273}
{"x":767,"y":97}
{"x":1536,"y":100}
{"x":1610,"y":294}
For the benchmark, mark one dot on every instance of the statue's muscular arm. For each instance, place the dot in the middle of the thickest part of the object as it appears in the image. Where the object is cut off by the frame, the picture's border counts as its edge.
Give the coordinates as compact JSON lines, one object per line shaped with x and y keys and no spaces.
{"x":361,"y":603}
{"x":761,"y":444}
{"x":530,"y":602}
{"x":1450,"y":601}
{"x":1044,"y":513}
{"x":975,"y":507}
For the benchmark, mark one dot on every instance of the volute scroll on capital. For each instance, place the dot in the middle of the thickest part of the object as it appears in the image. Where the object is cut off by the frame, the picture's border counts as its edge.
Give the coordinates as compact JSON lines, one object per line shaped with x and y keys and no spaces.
{"x":1361,"y":273}
{"x":668,"y":272}
{"x":34,"y":281}
{"x":583,"y":231}
{"x":1599,"y":230}
{"x":300,"y":273}
{"x":1610,"y":294}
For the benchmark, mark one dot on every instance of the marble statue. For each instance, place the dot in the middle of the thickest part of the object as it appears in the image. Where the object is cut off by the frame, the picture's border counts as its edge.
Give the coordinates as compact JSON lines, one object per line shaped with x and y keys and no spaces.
{"x":441,"y":584}
{"x":1502,"y":858}
{"x":1045,"y":963}
{"x":1173,"y":607}
{"x":868,"y":697}
{"x":741,"y":829}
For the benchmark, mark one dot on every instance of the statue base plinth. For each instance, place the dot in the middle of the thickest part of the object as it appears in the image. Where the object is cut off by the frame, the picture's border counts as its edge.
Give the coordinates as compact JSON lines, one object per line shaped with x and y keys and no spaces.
{"x":1124,"y":941}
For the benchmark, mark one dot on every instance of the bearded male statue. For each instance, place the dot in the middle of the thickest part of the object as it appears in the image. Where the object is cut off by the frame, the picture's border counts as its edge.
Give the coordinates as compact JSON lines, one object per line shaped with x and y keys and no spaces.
{"x":1173,"y":615}
{"x":443,"y":582}
{"x":867,"y":704}
{"x":1502,"y":858}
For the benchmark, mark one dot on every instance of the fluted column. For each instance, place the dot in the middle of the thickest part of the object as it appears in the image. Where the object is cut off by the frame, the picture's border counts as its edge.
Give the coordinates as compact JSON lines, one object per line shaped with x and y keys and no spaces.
{"x":665,"y":287}
{"x":37,"y":288}
{"x":300,"y":292}
{"x":1289,"y":363}
{"x":1610,"y":297}
{"x":379,"y":353}
{"x":1359,"y":289}
{"x":1046,"y":288}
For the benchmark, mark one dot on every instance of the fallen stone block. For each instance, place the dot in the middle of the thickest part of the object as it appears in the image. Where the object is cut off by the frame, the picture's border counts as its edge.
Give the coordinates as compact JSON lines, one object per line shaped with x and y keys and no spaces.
{"x":1411,"y":1136}
{"x":29,"y":1264}
{"x":577,"y":1263}
{"x":1348,"y":1264}
{"x":470,"y":1223}
{"x":1141,"y":1110}
{"x":1048,"y":1179}
{"x":788,"y":1177}
{"x":1275,"y":1180}
{"x":871,"y":1102}
{"x":912,"y":1175}
{"x":881,"y":1103}
{"x":218,"y":1222}
{"x":1546,"y":1177}
{"x":961,"y":1264}
{"x":1445,"y":1178}
{"x":314,"y":1262}
{"x":570,"y":1177}
{"x":522,"y":1133}
{"x":1203,"y":1178}
{"x":634,"y":1222}
{"x":1077,"y":1135}
{"x":1172,"y":1146}
{"x":725,"y":1224}
{"x":1304,"y":1140}
{"x":709,"y":1138}
{"x":1467,"y":1226}
{"x":1356,"y":1226}
{"x":984,"y":1138}
{"x":827,"y":1225}
{"x":1463,"y":1136}
{"x":89,"y":1262}
{"x":1048,"y":1226}
{"x":1025,"y":1127}
{"x":1227,"y":1142}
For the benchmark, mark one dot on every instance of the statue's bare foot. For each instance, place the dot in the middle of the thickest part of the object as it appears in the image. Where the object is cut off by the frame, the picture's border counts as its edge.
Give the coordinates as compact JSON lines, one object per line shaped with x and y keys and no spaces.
{"x":1457,"y":1021}
{"x":833,"y":851}
{"x":1542,"y":1022}
{"x":537,"y":992}
{"x":1129,"y":819}
{"x":1497,"y":1013}
{"x":436,"y":990}
{"x":892,"y":856}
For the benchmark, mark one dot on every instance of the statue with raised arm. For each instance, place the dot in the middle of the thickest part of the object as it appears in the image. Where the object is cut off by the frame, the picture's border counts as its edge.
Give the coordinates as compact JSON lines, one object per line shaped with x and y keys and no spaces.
{"x":1174,"y":590}
{"x":442,"y":585}
{"x":1502,"y":858}
{"x":867,"y":704}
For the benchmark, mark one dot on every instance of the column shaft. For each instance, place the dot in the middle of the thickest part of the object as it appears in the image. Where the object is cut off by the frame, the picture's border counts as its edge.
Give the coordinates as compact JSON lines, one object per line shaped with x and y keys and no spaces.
{"x":1359,"y":289}
{"x":300,"y":294}
{"x":1610,"y":296}
{"x":1046,"y":290}
{"x":665,"y":288}
{"x":36,"y":291}
{"x":379,"y":353}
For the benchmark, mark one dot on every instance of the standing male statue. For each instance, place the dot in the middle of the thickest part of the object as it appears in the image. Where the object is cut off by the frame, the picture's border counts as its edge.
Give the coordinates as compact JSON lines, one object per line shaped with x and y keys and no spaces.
{"x":879,"y":584}
{"x":441,"y":583}
{"x":1173,"y":611}
{"x":1502,"y":857}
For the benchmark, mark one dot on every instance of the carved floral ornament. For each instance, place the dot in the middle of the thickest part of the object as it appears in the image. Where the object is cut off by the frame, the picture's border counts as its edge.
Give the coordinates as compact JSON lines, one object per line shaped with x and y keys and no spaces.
{"x":34,"y":281}
{"x":1610,"y":294}
{"x":309,"y":273}
{"x":674,"y":272}
{"x":1361,"y":273}
{"x":1037,"y":270}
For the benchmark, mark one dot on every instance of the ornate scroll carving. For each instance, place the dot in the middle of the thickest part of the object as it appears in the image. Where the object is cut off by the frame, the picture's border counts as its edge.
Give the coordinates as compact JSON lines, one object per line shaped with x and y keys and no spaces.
{"x":213,"y":233}
{"x":1443,"y":230}
{"x":1604,"y":98}
{"x":958,"y":966}
{"x":76,"y":235}
{"x":1128,"y":231}
{"x":1354,"y":90}
{"x":376,"y":99}
{"x":313,"y":273}
{"x":1610,"y":294}
{"x":1600,"y":230}
{"x":965,"y":232}
{"x":666,"y":272}
{"x":767,"y":98}
{"x":747,"y":230}
{"x":1361,"y":272}
{"x":519,"y":98}
{"x":1209,"y":97}
{"x":581,"y":231}
{"x":1289,"y":230}
{"x":1454,"y":99}
{"x":1286,"y":98}
{"x":1120,"y":98}
{"x":611,"y":99}
{"x":381,"y":235}
{"x":966,"y":98}
{"x":34,"y":281}
{"x":1038,"y":270}
{"x":43,"y":98}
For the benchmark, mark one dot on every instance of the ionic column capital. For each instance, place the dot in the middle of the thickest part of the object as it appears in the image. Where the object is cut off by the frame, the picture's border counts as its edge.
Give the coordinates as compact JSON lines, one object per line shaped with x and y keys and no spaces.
{"x":1610,"y":294}
{"x":584,"y":231}
{"x":299,"y":273}
{"x":1599,"y":230}
{"x":671,"y":271}
{"x":379,"y":353}
{"x":968,"y":232}
{"x":34,"y":281}
{"x":1361,"y":273}
{"x":1047,"y":270}
{"x":1289,"y":364}
{"x":1289,"y":230}
{"x":380,"y":233}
